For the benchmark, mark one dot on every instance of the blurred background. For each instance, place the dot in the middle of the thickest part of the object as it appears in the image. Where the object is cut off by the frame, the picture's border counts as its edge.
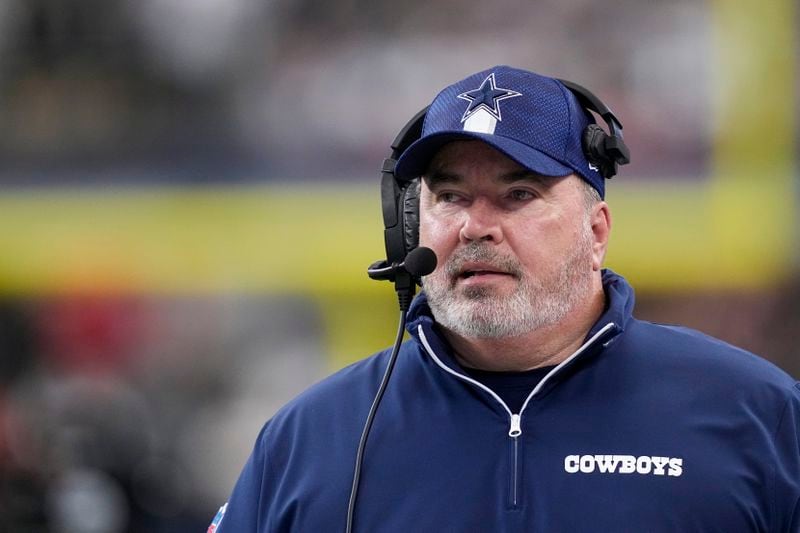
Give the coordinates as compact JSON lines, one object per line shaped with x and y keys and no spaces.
{"x":189,"y":200}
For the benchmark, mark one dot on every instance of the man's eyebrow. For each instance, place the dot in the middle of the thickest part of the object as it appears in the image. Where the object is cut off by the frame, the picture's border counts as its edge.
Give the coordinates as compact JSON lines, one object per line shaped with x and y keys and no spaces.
{"x":437,"y":177}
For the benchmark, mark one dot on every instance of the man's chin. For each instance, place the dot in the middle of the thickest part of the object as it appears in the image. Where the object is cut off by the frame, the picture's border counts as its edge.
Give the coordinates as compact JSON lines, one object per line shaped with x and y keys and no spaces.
{"x":482,"y":292}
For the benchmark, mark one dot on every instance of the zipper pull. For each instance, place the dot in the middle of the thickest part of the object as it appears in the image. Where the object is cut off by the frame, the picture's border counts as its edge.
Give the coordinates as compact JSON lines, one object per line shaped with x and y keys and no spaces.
{"x":515,"y":430}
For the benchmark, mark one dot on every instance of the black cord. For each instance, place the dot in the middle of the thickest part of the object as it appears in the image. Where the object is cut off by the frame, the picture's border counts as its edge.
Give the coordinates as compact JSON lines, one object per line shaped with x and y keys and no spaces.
{"x":368,"y":425}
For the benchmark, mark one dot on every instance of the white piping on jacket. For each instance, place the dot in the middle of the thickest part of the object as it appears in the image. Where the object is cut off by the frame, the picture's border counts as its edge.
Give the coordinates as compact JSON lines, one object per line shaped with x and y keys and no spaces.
{"x":515,"y":429}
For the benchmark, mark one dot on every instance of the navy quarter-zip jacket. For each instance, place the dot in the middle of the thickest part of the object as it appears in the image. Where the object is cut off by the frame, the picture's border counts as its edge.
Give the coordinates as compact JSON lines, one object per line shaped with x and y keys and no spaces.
{"x":646,"y":428}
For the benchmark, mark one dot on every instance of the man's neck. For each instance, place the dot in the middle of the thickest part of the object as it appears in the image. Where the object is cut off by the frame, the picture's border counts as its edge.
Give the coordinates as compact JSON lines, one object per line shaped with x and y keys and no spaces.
{"x":546,"y":346}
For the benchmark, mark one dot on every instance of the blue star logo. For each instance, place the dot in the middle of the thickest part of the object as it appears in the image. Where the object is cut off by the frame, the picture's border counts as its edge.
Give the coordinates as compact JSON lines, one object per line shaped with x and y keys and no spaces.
{"x":486,"y":97}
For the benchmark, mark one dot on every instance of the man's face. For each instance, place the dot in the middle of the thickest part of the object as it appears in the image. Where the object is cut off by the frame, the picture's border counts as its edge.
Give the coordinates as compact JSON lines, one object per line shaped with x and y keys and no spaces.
{"x":516,"y":250}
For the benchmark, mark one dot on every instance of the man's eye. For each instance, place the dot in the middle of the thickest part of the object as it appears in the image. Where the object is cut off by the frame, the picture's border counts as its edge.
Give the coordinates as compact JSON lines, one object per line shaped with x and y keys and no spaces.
{"x":448,"y":197}
{"x":521,"y":194}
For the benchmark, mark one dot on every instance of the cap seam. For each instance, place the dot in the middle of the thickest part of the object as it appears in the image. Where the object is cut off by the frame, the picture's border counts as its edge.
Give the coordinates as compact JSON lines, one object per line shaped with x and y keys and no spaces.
{"x":569,"y":116}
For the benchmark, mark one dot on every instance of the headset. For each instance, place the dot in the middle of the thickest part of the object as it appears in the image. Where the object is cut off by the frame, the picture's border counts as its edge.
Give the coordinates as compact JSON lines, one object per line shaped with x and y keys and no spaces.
{"x":400,"y":205}
{"x":400,"y":198}
{"x":406,"y":262}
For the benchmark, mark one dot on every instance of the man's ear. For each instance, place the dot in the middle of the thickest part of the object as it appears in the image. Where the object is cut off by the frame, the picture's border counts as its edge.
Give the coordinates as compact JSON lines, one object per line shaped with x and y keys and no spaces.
{"x":600,"y":220}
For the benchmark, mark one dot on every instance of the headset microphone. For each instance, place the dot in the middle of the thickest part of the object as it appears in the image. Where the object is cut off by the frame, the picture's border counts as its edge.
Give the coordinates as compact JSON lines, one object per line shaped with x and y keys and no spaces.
{"x":419,"y":262}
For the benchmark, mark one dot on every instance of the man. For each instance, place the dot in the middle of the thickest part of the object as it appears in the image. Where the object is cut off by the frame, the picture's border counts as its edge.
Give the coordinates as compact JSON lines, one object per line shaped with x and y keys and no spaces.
{"x":528,"y":397}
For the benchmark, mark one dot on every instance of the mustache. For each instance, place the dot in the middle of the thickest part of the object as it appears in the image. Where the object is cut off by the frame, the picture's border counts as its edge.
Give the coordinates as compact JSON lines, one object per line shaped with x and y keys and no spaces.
{"x":483,"y":253}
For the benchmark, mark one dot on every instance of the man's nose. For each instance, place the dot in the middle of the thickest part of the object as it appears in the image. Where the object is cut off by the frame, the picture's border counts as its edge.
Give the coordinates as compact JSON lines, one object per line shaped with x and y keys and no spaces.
{"x":481,"y":223}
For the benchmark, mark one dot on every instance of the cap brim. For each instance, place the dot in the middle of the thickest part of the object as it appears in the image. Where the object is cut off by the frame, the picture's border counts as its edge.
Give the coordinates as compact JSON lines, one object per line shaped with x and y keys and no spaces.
{"x":416,"y":158}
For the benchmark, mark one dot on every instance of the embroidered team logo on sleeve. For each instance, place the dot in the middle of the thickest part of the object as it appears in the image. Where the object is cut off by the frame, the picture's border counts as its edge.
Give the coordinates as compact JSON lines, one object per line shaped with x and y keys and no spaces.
{"x":217,"y":519}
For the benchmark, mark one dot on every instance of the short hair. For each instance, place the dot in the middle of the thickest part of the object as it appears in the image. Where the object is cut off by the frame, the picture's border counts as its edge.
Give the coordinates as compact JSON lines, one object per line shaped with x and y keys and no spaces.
{"x":590,"y":195}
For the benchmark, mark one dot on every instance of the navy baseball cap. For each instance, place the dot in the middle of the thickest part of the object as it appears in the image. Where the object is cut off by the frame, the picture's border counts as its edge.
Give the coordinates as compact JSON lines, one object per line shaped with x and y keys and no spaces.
{"x":533,"y":119}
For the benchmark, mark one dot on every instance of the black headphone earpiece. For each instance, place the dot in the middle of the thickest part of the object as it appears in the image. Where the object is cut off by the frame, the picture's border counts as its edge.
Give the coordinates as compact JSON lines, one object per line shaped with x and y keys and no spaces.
{"x":400,"y":206}
{"x":400,"y":197}
{"x":592,"y":143}
{"x":604,"y":150}
{"x":411,"y":215}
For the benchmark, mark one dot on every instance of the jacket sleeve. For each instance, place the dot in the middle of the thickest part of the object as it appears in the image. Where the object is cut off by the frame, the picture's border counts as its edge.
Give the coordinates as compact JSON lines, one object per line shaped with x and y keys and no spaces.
{"x":786,"y":492}
{"x":241,"y":514}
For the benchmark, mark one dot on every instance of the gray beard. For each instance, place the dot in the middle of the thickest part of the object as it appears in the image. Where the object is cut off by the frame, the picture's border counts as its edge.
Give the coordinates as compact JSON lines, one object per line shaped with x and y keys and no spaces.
{"x":478,"y":312}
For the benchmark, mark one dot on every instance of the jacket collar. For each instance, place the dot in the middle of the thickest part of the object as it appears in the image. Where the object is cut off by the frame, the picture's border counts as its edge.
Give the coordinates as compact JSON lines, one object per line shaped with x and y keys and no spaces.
{"x":619,"y":311}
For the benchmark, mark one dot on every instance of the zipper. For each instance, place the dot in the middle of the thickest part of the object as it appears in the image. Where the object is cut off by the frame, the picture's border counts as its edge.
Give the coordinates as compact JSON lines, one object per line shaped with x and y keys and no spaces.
{"x":516,"y":426}
{"x":515,"y":419}
{"x":515,"y":476}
